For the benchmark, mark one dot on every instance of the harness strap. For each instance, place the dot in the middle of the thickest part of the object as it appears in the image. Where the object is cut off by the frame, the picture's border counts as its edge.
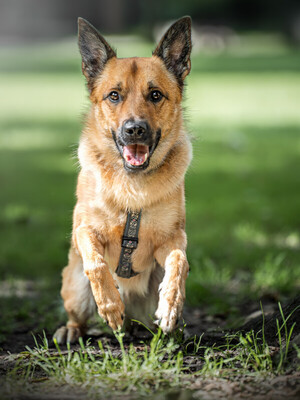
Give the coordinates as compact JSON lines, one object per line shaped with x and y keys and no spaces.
{"x":129,"y":244}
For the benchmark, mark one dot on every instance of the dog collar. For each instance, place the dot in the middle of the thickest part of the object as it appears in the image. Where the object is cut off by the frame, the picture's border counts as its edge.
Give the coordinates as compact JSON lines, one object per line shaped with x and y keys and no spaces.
{"x":129,"y":244}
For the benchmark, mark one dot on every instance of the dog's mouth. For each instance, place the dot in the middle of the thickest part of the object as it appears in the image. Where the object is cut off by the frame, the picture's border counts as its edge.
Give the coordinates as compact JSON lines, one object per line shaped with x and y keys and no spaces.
{"x":136,"y":155}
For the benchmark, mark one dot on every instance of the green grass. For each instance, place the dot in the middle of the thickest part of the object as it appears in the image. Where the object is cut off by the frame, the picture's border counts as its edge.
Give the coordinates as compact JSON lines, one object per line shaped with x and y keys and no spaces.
{"x":145,"y":370}
{"x":161,"y":363}
{"x":242,"y":188}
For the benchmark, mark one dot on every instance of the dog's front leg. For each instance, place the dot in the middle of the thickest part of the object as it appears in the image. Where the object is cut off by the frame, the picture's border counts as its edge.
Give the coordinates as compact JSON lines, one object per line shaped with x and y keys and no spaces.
{"x":106,"y":295}
{"x":171,"y":255}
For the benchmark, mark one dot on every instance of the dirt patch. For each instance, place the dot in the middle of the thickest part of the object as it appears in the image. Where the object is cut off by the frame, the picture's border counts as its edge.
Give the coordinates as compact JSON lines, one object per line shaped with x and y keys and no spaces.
{"x":211,"y":330}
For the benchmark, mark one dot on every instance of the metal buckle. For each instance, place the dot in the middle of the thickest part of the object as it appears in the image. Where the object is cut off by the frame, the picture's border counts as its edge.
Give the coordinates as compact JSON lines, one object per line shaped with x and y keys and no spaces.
{"x":129,"y":242}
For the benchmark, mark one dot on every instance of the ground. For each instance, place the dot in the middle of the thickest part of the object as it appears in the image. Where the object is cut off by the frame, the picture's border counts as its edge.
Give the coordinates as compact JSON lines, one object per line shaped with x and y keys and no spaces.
{"x":201,"y":374}
{"x":242,"y":191}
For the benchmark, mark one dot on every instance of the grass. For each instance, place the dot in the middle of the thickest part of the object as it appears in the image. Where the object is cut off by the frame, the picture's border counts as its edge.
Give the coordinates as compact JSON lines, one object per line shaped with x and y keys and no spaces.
{"x":144,"y":370}
{"x":162,"y":362}
{"x":242,"y":188}
{"x":248,"y":353}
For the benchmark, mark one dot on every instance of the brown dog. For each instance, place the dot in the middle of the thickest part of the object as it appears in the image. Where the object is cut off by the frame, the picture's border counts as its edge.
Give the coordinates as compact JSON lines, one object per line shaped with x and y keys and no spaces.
{"x":133,"y":153}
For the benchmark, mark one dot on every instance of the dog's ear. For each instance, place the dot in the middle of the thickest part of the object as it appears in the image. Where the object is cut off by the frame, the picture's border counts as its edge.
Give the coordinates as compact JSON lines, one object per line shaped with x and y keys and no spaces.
{"x":175,"y":48}
{"x":94,"y":50}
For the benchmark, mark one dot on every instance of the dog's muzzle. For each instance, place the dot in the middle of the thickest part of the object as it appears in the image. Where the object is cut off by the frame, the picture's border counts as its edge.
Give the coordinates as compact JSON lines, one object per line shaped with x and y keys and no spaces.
{"x":136,"y":136}
{"x":136,"y":143}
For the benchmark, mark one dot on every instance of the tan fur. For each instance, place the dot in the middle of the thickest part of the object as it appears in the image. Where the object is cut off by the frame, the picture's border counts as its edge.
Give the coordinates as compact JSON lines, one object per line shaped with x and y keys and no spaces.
{"x":105,"y":192}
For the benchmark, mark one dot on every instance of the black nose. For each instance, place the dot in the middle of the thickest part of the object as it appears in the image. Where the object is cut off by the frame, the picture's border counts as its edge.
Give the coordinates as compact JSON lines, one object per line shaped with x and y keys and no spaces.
{"x":134,"y":128}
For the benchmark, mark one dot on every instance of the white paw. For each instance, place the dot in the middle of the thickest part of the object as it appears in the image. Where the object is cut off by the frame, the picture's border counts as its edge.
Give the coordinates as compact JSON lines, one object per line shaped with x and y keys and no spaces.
{"x":167,"y":315}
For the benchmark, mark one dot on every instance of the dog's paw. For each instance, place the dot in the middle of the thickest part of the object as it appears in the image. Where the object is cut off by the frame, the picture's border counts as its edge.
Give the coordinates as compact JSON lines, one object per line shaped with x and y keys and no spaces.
{"x":107,"y":297}
{"x":112,"y":310}
{"x":66,"y":334}
{"x":168,"y":315}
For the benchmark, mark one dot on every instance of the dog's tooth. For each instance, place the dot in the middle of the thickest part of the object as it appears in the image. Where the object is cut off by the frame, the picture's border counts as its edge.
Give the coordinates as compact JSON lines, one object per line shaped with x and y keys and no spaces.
{"x":146,"y":156}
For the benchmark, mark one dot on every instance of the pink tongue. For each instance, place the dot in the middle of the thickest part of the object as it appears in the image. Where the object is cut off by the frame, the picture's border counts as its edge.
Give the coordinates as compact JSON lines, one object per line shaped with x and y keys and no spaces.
{"x":136,"y":154}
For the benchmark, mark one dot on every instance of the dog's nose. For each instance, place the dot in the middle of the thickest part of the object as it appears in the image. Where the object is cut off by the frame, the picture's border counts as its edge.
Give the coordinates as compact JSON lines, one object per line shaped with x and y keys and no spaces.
{"x":133,"y":128}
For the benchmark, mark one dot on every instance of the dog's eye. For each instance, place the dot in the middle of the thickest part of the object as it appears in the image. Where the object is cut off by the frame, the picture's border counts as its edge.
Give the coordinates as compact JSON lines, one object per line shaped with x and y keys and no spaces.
{"x":155,"y":96}
{"x":114,"y":96}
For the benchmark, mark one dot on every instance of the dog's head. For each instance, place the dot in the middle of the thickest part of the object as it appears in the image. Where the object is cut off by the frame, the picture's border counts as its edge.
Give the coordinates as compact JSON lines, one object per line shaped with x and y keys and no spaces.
{"x":137,"y":100}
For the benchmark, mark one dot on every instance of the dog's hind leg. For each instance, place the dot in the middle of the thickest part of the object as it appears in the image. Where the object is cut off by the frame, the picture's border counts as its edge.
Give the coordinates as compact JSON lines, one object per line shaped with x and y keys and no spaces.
{"x":78,"y":300}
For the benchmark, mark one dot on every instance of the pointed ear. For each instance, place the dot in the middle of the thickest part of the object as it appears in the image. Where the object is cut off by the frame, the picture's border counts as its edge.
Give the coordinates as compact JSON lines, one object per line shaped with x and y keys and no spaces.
{"x":94,"y":50}
{"x":175,"y":48}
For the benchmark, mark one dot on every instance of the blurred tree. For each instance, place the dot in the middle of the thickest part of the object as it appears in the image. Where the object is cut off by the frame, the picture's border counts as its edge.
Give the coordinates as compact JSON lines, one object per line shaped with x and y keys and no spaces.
{"x":46,"y":19}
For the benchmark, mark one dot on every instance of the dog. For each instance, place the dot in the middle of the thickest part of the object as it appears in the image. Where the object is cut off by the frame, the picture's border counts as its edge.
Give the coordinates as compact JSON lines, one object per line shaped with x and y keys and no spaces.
{"x":128,"y":253}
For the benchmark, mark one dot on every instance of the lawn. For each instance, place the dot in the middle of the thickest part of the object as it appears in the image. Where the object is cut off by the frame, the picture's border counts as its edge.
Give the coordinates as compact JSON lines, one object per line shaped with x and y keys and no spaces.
{"x":242,"y":189}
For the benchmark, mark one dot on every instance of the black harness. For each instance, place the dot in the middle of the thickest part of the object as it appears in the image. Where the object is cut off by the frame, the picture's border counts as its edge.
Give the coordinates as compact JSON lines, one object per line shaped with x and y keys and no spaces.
{"x":129,"y":244}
